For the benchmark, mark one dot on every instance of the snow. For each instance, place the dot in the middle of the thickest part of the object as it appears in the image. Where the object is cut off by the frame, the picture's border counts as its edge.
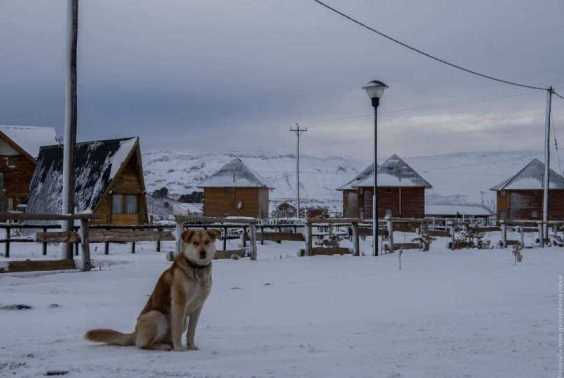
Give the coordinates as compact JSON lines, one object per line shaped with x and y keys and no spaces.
{"x":435,"y":209}
{"x":393,"y":172}
{"x":30,"y":138}
{"x":531,"y":177}
{"x":464,"y":314}
{"x":234,"y":174}
{"x":97,"y":164}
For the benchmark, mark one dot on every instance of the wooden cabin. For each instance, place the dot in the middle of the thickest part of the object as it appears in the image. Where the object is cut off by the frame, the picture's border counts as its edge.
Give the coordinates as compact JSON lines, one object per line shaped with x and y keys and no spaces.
{"x":109,"y":181}
{"x":285,"y":210}
{"x":19,"y":147}
{"x":235,"y":190}
{"x":401,"y":191}
{"x":521,"y":196}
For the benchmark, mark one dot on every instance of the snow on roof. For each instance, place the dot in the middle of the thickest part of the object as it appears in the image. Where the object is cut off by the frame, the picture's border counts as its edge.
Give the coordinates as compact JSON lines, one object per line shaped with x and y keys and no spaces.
{"x":531,"y":178}
{"x":97,"y":163}
{"x":455,"y":209}
{"x":30,"y":138}
{"x":234,"y":174}
{"x":394,"y":172}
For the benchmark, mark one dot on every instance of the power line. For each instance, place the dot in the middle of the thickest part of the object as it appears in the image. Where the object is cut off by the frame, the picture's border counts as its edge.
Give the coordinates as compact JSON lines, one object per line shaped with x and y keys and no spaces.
{"x":428,"y":55}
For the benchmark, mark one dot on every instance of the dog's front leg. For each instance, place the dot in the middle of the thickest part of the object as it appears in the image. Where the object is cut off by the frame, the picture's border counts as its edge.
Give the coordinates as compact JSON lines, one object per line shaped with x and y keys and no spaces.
{"x":177,"y":319}
{"x":192,"y":324}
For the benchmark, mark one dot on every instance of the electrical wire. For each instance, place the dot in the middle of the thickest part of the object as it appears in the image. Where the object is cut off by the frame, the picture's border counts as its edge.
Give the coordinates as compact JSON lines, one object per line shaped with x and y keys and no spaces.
{"x":428,"y":55}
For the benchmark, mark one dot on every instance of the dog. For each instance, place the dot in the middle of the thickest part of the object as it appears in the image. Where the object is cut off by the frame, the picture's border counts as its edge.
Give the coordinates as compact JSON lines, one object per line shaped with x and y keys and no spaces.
{"x":179,"y":295}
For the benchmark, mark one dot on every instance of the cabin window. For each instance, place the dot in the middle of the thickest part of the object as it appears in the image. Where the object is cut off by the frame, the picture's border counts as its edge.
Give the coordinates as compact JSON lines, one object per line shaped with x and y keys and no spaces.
{"x":131,"y":204}
{"x":117,"y":204}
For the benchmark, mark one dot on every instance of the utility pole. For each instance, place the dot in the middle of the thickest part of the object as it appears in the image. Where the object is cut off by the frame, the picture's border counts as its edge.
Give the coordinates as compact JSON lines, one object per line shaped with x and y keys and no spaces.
{"x":546,"y":183}
{"x":71,"y":116}
{"x":298,"y":130}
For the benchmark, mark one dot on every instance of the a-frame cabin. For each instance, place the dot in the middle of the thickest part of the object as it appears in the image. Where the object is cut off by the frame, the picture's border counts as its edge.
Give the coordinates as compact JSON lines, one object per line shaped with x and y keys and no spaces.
{"x":109,"y":181}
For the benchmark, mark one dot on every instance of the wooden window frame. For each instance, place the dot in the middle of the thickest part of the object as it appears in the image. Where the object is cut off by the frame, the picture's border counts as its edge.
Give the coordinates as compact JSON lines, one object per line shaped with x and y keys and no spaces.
{"x":123,"y":204}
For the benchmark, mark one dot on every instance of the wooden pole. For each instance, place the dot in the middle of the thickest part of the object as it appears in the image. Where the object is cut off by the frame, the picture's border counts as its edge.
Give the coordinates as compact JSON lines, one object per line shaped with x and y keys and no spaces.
{"x":522,"y":235}
{"x":225,"y":238}
{"x":355,"y":239}
{"x":390,"y":227}
{"x":71,"y":117}
{"x":541,"y":233}
{"x":308,"y":239}
{"x":504,"y":234}
{"x":132,"y":248}
{"x":7,"y":251}
{"x":86,"y":264}
{"x":178,"y":234}
{"x":159,"y":240}
{"x":106,"y":248}
{"x":253,"y":231}
{"x":44,"y":243}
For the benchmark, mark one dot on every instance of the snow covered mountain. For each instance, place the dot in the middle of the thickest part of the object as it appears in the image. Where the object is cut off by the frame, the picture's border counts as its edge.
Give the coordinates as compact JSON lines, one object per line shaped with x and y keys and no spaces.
{"x":456,"y":178}
{"x":182,"y":172}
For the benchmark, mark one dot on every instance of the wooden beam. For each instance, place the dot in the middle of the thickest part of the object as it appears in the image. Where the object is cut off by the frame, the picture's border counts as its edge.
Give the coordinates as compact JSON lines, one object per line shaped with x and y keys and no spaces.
{"x":57,"y":237}
{"x":47,"y":217}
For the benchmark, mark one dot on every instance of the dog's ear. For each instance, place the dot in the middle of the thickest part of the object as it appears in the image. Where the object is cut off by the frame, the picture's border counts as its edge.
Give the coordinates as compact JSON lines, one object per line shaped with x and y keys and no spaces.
{"x":187,"y":235}
{"x":214,"y":234}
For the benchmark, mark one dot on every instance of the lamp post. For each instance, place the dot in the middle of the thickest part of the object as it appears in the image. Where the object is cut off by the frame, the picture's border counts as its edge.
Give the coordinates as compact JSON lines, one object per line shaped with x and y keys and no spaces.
{"x":375,"y":90}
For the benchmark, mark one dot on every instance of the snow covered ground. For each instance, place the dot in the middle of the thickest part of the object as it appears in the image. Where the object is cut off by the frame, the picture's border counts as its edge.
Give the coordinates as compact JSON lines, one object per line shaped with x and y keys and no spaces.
{"x":445,"y":314}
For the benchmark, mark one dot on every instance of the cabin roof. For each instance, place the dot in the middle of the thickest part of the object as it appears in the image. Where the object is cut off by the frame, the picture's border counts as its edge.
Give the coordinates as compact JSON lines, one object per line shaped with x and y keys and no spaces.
{"x":234,"y":174}
{"x":394,"y":172}
{"x":531,"y":177}
{"x":97,"y":163}
{"x":30,"y":138}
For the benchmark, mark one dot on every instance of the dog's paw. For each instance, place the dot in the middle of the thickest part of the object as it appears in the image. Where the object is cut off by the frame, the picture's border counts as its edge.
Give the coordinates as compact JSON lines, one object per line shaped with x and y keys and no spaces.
{"x":179,"y":349}
{"x":192,"y":347}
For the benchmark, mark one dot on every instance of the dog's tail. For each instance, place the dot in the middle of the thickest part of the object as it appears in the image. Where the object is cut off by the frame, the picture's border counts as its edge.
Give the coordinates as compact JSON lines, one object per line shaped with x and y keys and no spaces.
{"x":109,"y":336}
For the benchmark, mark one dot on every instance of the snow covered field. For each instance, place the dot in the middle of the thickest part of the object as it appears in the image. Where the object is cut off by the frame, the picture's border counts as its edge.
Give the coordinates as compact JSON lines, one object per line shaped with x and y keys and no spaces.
{"x":445,"y":314}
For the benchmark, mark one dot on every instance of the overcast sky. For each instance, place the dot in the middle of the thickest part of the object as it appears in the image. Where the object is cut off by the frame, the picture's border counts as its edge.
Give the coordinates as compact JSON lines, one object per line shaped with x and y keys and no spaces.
{"x":235,"y":75}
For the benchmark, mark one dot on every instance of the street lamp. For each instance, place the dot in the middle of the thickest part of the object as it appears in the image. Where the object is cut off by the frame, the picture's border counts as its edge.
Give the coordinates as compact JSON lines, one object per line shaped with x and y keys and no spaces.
{"x":375,"y":90}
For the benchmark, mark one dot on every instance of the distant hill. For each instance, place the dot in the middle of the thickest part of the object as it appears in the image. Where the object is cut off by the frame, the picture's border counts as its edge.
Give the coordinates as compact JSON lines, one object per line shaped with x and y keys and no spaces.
{"x":456,"y":178}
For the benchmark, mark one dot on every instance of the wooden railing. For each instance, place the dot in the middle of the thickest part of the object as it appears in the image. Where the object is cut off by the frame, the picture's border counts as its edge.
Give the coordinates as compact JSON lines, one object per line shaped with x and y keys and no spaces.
{"x":83,"y":230}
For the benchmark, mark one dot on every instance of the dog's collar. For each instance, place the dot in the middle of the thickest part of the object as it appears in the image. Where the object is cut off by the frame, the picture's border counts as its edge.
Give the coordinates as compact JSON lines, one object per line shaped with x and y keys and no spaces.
{"x":194,"y":265}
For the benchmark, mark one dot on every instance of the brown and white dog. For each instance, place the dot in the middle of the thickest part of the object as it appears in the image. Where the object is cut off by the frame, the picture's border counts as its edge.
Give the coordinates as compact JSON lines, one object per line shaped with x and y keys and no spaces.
{"x":179,"y":295}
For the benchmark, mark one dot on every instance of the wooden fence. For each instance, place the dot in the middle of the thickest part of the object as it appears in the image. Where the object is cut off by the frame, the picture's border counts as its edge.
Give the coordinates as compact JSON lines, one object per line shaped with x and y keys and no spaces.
{"x":83,"y":233}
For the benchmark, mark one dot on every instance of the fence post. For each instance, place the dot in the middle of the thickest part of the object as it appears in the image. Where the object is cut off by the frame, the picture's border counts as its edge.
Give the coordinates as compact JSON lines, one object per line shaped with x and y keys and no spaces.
{"x":261,"y":235}
{"x":106,"y":248}
{"x":504,"y":234}
{"x":244,"y":236}
{"x":159,"y":239}
{"x":308,"y":238}
{"x":44,"y":247}
{"x":85,"y":264}
{"x":133,"y":248}
{"x":355,"y":239}
{"x":7,"y":250}
{"x":225,"y":238}
{"x":390,"y":227}
{"x":541,"y":234}
{"x":253,"y":231}
{"x":522,"y":235}
{"x":452,"y":231}
{"x":178,"y":234}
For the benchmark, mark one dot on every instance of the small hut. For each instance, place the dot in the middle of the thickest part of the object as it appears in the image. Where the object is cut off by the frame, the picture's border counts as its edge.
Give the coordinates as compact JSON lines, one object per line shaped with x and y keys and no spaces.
{"x":521,"y":196}
{"x":285,"y":210}
{"x":235,"y":190}
{"x":109,"y":181}
{"x":19,"y":147}
{"x":401,"y":191}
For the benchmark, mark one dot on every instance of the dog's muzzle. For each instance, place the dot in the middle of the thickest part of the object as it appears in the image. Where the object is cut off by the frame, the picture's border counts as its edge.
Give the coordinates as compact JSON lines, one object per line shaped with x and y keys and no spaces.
{"x":203,"y":254}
